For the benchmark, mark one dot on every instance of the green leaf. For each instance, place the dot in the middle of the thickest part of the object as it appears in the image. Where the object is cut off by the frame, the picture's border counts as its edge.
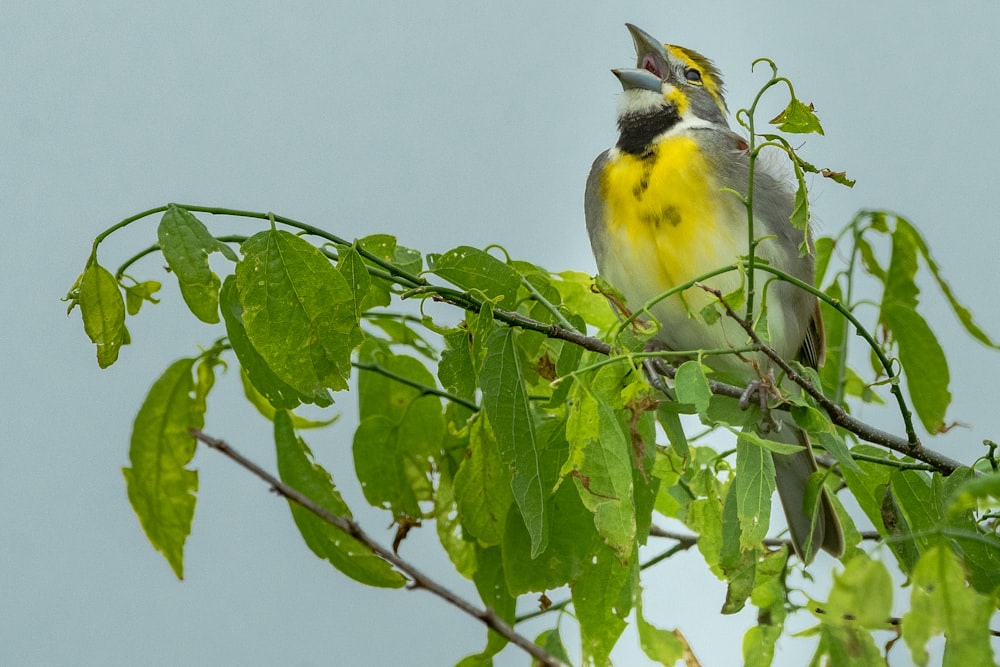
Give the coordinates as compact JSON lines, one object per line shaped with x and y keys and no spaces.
{"x":355,"y":272}
{"x":768,"y":596}
{"x":482,"y":487}
{"x":692,"y":387}
{"x":765,"y":443}
{"x":553,"y":644}
{"x":602,"y":599}
{"x":578,"y":295}
{"x":870,"y":261}
{"x":456,"y":369}
{"x":860,"y":601}
{"x":186,"y":244}
{"x":138,"y":293}
{"x":103,"y":312}
{"x":275,"y":391}
{"x":822,"y":432}
{"x":399,"y":332}
{"x":600,"y":460}
{"x":800,"y":211}
{"x":298,"y":311}
{"x":924,"y":364}
{"x":505,"y":401}
{"x":798,"y":118}
{"x":900,"y":286}
{"x":461,"y":550}
{"x":823,"y":248}
{"x":298,"y":470}
{"x":161,"y":488}
{"x":401,"y":429}
{"x":473,"y":269}
{"x":754,"y":485}
{"x":943,"y":603}
{"x":489,"y":580}
{"x":573,"y":543}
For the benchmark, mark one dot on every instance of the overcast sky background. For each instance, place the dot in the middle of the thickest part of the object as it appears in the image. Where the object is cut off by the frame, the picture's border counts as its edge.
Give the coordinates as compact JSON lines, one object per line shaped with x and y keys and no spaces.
{"x":442,"y":123}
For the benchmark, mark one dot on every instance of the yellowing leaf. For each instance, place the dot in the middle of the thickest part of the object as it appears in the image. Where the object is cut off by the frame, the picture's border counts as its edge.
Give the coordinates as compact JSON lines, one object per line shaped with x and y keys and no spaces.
{"x":161,"y":488}
{"x":103,"y":312}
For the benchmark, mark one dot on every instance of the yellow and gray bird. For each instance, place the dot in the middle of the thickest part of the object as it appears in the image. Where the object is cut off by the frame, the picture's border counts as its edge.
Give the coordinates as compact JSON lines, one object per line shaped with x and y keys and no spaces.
{"x":661,"y":211}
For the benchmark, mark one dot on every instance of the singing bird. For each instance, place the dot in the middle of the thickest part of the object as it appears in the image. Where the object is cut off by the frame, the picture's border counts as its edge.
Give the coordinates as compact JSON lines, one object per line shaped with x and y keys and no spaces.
{"x":661,"y":211}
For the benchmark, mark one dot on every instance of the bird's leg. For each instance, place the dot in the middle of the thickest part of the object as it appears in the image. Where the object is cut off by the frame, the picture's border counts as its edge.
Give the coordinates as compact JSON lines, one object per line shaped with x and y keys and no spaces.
{"x":652,"y":373}
{"x":761,"y":389}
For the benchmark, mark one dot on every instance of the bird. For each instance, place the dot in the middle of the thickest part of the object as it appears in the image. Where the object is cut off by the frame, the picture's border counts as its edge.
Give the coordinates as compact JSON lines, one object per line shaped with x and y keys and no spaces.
{"x":662,"y":209}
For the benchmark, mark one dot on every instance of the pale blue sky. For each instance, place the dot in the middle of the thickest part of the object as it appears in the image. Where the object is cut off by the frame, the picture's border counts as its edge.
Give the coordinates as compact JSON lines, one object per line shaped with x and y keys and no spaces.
{"x":444,"y":124}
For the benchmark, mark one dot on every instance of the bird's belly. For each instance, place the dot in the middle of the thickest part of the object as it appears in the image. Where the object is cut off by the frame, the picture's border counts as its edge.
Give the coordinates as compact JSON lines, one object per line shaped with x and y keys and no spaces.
{"x":667,"y":223}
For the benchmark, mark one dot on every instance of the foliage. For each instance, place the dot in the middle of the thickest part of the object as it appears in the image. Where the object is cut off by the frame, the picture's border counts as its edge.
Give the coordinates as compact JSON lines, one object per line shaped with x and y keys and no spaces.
{"x":527,"y":429}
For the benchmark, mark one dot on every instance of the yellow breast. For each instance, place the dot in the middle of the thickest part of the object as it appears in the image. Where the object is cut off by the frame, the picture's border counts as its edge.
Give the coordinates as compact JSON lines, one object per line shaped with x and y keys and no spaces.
{"x":667,"y":221}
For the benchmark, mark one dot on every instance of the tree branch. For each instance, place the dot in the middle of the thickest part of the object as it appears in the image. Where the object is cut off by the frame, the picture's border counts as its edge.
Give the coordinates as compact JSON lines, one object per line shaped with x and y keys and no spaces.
{"x":837,"y":414}
{"x":349,"y":526}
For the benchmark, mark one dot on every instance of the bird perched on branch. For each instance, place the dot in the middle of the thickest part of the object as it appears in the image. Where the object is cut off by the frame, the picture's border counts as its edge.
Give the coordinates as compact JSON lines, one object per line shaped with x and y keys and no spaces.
{"x":666,"y":205}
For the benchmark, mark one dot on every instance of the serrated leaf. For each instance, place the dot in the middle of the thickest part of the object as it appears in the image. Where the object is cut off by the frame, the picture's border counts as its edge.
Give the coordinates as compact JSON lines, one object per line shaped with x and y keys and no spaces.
{"x":276,"y":391}
{"x":401,"y":429}
{"x":798,"y":118}
{"x":573,"y":543}
{"x":298,"y":311}
{"x":482,"y":487}
{"x":601,"y":601}
{"x":186,"y":244}
{"x":600,"y":460}
{"x":456,"y":370}
{"x":474,"y":269}
{"x":297,"y":469}
{"x":355,"y":272}
{"x":692,"y":387}
{"x":160,"y":486}
{"x":754,"y":485}
{"x":505,"y":401}
{"x":103,"y":311}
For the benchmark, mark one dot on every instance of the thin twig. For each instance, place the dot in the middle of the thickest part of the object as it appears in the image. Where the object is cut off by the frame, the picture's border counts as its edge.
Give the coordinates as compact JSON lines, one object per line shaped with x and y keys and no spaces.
{"x":690,"y":540}
{"x":420,"y":580}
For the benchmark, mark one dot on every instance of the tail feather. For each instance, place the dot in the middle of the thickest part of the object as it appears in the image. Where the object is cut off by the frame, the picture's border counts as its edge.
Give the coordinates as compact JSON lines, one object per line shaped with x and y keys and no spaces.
{"x":809,"y":534}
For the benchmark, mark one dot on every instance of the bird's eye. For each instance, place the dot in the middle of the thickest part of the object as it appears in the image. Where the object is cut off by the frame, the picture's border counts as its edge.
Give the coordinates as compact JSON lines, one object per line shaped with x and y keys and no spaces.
{"x":692,"y":75}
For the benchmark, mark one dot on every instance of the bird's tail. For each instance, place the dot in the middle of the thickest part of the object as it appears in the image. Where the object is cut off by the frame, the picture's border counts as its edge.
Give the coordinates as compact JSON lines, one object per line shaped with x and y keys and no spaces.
{"x":813,"y":531}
